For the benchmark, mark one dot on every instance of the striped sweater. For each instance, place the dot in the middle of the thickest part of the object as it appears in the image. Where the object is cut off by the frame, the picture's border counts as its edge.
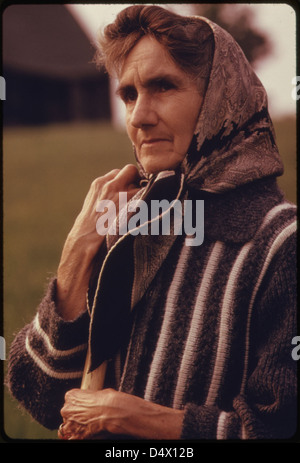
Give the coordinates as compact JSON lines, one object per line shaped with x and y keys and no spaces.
{"x":210,"y":334}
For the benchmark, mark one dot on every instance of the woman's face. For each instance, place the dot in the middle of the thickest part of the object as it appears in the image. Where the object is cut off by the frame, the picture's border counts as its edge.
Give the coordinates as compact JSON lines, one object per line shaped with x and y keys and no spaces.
{"x":162,"y":105}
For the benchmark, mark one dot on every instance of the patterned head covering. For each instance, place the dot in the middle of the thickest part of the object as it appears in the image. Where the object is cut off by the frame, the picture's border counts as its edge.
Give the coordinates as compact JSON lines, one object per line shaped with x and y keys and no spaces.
{"x":234,"y":140}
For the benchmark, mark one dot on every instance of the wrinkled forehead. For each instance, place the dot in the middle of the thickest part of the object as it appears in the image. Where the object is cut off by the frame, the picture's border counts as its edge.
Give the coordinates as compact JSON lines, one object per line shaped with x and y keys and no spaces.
{"x":149,"y":61}
{"x":146,"y":53}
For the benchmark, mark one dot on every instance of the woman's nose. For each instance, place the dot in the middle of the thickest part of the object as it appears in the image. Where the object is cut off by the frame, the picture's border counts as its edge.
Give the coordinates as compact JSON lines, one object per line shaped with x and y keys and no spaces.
{"x":143,"y":113}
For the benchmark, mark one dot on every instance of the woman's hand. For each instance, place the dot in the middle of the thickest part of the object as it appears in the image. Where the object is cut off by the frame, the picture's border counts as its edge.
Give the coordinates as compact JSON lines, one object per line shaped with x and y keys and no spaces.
{"x":83,"y":241}
{"x":98,"y":413}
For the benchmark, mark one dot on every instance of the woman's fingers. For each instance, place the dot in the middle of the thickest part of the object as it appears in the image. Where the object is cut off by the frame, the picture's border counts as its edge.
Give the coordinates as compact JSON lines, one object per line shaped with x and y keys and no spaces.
{"x":127,"y":176}
{"x":125,"y":180}
{"x":84,"y":240}
{"x":81,"y":414}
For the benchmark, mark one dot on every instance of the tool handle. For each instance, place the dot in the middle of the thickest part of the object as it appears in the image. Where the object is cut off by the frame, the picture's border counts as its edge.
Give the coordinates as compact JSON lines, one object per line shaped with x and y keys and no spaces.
{"x":93,"y":380}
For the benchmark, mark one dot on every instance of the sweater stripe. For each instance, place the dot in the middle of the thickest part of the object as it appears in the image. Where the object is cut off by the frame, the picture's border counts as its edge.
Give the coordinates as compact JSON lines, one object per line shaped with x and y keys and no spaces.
{"x":275,"y":210}
{"x":170,"y":306}
{"x":221,"y":434}
{"x":63,"y":375}
{"x":279,"y":240}
{"x":223,"y":345}
{"x":55,"y":352}
{"x":196,"y":324}
{"x":225,"y":324}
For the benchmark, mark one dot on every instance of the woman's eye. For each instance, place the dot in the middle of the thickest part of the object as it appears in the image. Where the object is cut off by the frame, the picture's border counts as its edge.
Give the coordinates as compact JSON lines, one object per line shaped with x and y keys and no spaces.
{"x":131,"y":96}
{"x":164,"y":85}
{"x":128,"y":95}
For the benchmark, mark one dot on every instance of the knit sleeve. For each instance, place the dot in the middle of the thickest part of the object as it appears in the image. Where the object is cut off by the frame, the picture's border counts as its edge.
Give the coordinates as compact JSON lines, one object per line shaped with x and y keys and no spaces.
{"x":46,"y":359}
{"x":266,"y":405}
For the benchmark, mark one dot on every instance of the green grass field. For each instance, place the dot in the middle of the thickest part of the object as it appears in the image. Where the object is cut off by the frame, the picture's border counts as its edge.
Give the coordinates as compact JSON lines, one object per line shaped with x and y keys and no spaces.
{"x":46,"y":175}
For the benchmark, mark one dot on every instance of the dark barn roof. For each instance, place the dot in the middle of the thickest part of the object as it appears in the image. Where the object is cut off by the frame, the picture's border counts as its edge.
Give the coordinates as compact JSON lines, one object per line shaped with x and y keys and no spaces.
{"x":47,"y":65}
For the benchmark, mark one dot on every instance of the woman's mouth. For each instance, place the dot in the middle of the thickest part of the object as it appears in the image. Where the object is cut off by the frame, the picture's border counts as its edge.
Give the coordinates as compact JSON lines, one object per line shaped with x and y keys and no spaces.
{"x":153,"y":141}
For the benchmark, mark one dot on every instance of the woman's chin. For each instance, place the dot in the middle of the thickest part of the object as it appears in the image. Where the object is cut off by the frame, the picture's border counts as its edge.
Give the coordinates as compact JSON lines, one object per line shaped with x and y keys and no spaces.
{"x":156,"y":167}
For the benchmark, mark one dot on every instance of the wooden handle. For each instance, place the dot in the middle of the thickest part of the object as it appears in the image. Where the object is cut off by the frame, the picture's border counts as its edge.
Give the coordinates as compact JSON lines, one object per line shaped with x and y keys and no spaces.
{"x":93,"y":380}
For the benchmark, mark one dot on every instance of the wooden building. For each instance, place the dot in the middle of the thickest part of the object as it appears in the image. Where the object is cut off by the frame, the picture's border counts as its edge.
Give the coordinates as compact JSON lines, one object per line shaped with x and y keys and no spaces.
{"x":48,"y":69}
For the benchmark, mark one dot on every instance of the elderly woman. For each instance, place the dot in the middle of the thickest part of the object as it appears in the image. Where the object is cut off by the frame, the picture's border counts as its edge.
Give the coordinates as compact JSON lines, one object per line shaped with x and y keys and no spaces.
{"x":196,"y":339}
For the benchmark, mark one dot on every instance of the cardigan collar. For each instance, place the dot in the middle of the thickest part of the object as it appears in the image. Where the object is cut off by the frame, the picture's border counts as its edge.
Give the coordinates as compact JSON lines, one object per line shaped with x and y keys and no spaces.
{"x":236,"y":215}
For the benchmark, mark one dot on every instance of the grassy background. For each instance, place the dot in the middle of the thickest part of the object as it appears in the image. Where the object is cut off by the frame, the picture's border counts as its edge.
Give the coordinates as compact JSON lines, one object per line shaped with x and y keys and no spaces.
{"x":46,"y":175}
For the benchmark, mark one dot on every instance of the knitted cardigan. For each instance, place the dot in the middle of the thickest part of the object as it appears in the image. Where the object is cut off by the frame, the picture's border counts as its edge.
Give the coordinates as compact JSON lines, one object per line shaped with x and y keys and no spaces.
{"x":207,"y":329}
{"x":211,"y":335}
